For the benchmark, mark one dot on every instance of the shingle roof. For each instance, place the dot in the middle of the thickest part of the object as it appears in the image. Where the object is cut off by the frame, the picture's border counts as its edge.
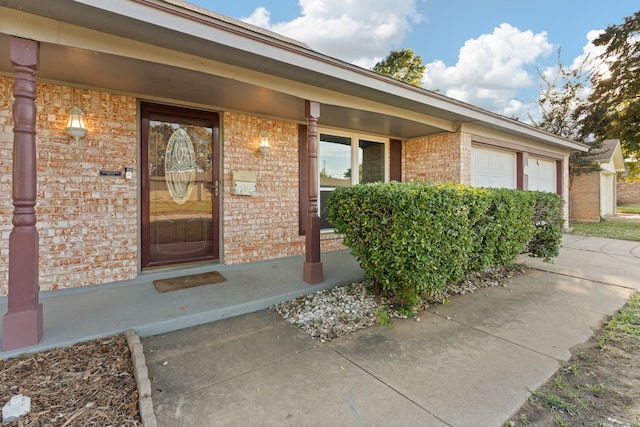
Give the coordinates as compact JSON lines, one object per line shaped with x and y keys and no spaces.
{"x":604,"y":152}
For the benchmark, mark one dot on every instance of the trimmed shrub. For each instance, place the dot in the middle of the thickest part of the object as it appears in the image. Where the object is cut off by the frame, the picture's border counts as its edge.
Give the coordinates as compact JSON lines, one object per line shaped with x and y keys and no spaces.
{"x":414,"y":239}
{"x":504,"y":230}
{"x":549,"y":223}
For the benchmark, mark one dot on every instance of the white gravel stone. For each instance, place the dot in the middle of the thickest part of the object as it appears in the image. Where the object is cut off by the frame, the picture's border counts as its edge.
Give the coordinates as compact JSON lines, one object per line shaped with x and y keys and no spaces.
{"x":329,"y":314}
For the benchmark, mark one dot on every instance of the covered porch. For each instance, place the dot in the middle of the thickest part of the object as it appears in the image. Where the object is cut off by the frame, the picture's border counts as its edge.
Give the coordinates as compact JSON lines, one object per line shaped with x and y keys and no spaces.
{"x":111,"y":58}
{"x":80,"y":314}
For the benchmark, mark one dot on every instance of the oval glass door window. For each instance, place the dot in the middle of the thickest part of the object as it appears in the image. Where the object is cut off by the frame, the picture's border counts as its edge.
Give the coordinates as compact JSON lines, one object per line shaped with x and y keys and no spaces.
{"x":180,"y":166}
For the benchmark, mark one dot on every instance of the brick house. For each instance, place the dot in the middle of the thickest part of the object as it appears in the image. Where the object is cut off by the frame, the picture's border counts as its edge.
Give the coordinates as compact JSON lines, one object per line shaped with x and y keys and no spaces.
{"x":594,"y":195}
{"x":208,"y":141}
{"x":628,"y":192}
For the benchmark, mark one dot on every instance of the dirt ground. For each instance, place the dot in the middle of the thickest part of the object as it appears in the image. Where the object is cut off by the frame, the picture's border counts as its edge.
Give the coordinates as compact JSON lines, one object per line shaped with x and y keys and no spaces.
{"x":598,"y":386}
{"x":87,"y":384}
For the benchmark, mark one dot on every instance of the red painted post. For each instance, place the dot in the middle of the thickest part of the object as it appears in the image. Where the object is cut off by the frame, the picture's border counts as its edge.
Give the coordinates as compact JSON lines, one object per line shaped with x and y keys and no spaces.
{"x":522,"y":170}
{"x":22,"y":325}
{"x":312,"y":266}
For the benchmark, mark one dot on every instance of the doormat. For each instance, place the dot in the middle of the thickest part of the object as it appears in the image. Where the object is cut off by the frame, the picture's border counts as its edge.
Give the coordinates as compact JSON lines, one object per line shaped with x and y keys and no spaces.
{"x":186,"y":282}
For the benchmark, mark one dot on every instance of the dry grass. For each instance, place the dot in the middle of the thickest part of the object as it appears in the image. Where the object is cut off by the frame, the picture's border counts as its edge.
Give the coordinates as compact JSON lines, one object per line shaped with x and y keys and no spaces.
{"x":599,"y":385}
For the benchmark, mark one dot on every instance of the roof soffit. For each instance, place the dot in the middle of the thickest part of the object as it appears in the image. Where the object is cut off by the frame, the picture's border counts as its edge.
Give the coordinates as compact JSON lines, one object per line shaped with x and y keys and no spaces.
{"x":173,"y":27}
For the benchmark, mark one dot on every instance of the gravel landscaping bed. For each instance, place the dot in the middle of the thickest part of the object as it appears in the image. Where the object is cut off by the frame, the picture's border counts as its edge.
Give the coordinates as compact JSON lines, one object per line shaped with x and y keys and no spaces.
{"x":329,"y":314}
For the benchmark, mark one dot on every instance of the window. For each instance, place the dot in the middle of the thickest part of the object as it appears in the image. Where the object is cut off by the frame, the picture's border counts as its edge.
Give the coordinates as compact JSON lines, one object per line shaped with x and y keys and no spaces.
{"x":347,"y":160}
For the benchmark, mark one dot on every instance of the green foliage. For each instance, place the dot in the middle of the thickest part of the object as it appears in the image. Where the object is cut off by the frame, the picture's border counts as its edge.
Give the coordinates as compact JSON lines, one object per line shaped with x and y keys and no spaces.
{"x":404,"y":312}
{"x":503,"y":229}
{"x":622,"y":230}
{"x":549,"y":223}
{"x":382,"y":315}
{"x":626,"y":322}
{"x":596,"y":389}
{"x":562,"y":106}
{"x":628,"y":209}
{"x":414,"y":239}
{"x":561,"y":95}
{"x":555,"y":402}
{"x":403,"y":65}
{"x":613,"y":110}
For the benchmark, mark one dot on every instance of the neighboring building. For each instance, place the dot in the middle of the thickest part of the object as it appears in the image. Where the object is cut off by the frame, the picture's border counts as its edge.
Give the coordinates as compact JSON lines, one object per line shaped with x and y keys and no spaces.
{"x":628,"y":192}
{"x":182,"y":98}
{"x":594,"y":195}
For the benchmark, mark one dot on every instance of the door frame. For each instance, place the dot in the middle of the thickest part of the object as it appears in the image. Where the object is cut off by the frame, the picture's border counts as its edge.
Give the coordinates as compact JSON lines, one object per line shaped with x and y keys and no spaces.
{"x":147,"y":108}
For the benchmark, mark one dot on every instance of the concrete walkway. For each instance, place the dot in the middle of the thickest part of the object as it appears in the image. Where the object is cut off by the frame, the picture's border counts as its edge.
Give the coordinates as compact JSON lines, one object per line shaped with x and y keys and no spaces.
{"x":75,"y":315}
{"x":471,"y":363}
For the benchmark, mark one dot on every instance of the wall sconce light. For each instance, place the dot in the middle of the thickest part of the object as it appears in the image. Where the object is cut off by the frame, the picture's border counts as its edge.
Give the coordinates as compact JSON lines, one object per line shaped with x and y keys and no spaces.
{"x":264,"y":143}
{"x":75,"y":125}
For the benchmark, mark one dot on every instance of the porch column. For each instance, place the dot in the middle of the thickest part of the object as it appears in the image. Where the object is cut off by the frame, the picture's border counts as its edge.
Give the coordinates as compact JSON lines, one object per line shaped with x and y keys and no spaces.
{"x":522,"y":170}
{"x":22,"y":324}
{"x":312,"y":265}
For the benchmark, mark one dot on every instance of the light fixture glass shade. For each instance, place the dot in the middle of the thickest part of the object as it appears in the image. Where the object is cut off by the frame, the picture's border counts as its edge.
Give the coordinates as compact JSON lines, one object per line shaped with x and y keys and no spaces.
{"x":75,"y":124}
{"x":264,"y":143}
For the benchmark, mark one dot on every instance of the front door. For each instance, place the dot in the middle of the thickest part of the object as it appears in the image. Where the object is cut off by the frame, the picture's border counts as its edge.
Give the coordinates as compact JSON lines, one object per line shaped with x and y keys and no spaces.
{"x":180,"y":149}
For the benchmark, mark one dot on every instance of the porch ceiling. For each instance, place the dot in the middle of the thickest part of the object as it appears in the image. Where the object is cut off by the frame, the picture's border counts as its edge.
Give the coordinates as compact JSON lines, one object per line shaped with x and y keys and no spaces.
{"x":220,"y":63}
{"x":172,"y":84}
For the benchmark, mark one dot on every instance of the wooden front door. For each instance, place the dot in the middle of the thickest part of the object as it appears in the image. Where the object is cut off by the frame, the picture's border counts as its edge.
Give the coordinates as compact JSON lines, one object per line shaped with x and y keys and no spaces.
{"x":179,"y":168}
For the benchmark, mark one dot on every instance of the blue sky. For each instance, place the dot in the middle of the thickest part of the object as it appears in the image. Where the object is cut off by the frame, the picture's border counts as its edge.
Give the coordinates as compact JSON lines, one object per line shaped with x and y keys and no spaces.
{"x":482,"y":52}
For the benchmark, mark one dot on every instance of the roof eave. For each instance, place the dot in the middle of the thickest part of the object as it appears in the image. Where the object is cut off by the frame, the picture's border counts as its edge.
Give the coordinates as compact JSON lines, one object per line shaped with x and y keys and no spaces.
{"x":172,"y":22}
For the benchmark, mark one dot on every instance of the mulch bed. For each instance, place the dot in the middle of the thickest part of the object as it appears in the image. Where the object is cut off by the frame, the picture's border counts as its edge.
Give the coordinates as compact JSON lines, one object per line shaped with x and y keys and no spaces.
{"x":87,"y":384}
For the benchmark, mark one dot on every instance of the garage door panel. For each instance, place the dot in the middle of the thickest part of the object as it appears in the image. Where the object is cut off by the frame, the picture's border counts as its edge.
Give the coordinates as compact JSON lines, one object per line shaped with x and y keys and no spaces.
{"x":542,"y":175}
{"x":493,"y":168}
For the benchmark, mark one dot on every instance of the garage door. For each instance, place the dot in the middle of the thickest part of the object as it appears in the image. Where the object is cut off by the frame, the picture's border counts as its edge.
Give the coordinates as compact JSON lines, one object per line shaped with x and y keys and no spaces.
{"x":542,"y":175}
{"x":607,"y":194}
{"x":493,"y":168}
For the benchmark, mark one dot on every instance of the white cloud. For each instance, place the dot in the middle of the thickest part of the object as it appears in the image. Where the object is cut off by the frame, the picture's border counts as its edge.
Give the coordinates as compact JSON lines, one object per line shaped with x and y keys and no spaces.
{"x":358,"y":31}
{"x":588,"y":61}
{"x":590,"y":52}
{"x":260,"y":17}
{"x":492,"y":69}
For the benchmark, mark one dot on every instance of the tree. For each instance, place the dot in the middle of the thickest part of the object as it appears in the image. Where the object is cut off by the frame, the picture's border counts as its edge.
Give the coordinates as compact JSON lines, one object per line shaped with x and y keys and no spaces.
{"x":562,"y":98}
{"x":613,"y":110}
{"x":561,"y":95}
{"x":403,"y":65}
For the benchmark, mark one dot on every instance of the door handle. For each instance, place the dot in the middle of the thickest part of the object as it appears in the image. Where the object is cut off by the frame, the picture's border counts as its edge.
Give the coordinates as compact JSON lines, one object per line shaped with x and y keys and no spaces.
{"x":215,"y":188}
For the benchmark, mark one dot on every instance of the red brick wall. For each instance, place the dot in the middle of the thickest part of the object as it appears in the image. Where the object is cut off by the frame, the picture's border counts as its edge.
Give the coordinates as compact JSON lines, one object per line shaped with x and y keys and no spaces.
{"x":264,"y":226}
{"x":6,"y":154}
{"x":439,"y":158}
{"x":628,"y":192}
{"x":87,"y":224}
{"x":585,"y":197}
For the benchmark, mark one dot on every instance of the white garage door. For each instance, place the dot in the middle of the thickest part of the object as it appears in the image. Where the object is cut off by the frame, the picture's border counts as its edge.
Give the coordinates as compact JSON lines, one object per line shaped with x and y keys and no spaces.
{"x":493,"y":168}
{"x":607,"y":194}
{"x":542,"y":175}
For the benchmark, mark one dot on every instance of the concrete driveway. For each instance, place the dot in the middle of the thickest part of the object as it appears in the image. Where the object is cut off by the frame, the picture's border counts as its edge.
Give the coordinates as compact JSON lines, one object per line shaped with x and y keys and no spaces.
{"x":471,"y":363}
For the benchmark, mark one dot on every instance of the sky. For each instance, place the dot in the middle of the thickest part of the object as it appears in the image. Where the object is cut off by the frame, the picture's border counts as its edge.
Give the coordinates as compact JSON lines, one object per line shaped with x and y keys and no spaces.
{"x":486,"y":53}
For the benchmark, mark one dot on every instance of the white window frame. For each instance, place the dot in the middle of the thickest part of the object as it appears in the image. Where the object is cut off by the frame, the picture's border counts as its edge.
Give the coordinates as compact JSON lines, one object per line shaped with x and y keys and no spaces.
{"x":355,"y":166}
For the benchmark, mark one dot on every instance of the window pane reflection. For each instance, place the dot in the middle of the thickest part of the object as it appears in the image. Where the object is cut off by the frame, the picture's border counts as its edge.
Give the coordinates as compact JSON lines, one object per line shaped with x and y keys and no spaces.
{"x":336,"y":163}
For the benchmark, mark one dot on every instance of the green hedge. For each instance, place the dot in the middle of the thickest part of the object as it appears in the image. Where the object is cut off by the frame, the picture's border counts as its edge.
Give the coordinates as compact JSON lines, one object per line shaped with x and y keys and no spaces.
{"x":549,"y":223}
{"x":416,"y":238}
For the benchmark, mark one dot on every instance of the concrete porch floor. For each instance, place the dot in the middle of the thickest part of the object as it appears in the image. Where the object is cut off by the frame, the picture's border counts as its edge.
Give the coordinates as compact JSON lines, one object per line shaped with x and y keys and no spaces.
{"x":76,"y":315}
